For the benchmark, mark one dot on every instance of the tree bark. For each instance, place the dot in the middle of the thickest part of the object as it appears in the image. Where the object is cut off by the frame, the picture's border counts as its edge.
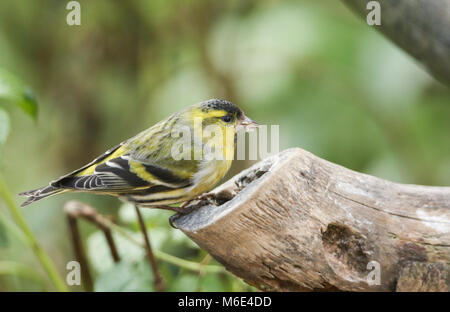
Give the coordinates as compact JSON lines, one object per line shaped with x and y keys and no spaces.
{"x":296,"y":222}
{"x":420,"y":27}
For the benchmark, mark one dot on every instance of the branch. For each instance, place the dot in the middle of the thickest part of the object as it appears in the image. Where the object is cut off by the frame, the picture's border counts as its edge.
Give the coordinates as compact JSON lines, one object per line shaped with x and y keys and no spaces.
{"x":298,"y":222}
{"x":420,"y":27}
{"x":80,"y":254}
{"x":158,"y":282}
{"x":87,"y":212}
{"x":75,"y":210}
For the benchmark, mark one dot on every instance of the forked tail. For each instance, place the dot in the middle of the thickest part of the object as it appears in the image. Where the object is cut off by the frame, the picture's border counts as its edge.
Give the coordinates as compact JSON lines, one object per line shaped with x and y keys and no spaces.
{"x":39,"y":194}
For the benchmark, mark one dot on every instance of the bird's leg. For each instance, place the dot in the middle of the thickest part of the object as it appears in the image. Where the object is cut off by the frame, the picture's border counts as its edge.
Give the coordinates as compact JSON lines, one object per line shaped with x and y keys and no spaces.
{"x":167,"y":207}
{"x":203,"y":196}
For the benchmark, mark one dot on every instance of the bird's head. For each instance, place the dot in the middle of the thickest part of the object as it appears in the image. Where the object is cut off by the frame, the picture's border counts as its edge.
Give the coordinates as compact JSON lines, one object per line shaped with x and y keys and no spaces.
{"x":223,"y":114}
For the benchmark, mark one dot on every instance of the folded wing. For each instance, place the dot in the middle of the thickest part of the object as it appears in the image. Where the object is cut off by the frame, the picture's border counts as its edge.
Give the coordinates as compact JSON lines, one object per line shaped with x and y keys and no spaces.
{"x":121,"y":174}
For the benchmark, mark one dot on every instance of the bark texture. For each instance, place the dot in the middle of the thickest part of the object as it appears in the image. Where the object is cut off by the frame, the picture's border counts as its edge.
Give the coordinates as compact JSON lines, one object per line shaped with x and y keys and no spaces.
{"x":296,"y":222}
{"x":420,"y":27}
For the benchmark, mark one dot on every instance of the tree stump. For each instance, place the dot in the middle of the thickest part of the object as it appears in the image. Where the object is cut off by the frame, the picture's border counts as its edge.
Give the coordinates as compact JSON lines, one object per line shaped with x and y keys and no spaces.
{"x":296,"y":222}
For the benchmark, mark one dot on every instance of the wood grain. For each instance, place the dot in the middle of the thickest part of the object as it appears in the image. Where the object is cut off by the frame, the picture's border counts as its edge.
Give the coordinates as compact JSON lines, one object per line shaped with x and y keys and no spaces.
{"x":296,"y":222}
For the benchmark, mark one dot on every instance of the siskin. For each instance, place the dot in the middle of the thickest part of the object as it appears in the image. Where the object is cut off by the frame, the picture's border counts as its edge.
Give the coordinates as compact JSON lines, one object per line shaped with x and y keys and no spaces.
{"x":143,"y":170}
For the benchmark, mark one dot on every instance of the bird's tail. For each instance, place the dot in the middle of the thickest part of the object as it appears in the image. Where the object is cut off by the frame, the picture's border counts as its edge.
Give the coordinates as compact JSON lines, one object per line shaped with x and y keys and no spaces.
{"x":35,"y":195}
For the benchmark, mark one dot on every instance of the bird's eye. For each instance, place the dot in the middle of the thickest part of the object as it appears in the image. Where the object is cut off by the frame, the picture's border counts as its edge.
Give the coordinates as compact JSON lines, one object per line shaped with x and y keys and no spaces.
{"x":226,"y":118}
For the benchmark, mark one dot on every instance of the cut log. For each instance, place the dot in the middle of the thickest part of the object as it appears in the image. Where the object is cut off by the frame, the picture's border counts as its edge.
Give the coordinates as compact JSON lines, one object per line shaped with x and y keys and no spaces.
{"x":296,"y":222}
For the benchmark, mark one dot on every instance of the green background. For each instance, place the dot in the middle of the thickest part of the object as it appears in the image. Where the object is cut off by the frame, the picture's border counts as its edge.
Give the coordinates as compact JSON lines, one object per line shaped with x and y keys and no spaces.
{"x":336,"y":87}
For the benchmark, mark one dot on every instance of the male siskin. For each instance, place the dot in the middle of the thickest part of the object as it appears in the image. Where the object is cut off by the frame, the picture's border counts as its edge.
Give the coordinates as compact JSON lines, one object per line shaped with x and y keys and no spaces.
{"x":143,"y":170}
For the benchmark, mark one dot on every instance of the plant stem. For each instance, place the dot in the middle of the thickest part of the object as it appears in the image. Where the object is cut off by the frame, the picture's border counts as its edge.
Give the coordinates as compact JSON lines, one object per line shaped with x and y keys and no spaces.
{"x":193,"y":266}
{"x":186,"y":264}
{"x":80,"y":254}
{"x":12,"y":228}
{"x":159,"y":283}
{"x":87,"y":212}
{"x":75,"y":210}
{"x":45,"y":260}
{"x":112,"y":245}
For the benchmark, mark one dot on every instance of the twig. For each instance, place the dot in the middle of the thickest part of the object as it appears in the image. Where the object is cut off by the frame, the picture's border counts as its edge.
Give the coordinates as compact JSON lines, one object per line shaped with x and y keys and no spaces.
{"x":111,"y":244}
{"x":77,"y":210}
{"x":185,"y":264}
{"x":101,"y":221}
{"x":79,"y":251}
{"x":74,"y":211}
{"x":159,"y":283}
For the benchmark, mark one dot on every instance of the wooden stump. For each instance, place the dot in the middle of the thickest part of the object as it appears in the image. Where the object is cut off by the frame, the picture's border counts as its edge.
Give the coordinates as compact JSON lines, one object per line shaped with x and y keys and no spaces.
{"x":296,"y":222}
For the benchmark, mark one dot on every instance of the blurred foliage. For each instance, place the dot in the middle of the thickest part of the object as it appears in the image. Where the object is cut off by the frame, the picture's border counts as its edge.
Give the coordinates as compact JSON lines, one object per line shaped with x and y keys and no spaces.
{"x":334,"y":85}
{"x":14,"y":91}
{"x":133,"y":273}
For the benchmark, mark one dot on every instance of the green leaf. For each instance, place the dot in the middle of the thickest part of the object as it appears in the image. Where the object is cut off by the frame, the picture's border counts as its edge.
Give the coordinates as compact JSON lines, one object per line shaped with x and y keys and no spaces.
{"x":126,"y":276}
{"x":4,"y":127}
{"x":13,"y":90}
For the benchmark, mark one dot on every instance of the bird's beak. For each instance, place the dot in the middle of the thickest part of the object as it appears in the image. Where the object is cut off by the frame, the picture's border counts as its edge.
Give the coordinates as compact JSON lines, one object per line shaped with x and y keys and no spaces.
{"x":247,"y":124}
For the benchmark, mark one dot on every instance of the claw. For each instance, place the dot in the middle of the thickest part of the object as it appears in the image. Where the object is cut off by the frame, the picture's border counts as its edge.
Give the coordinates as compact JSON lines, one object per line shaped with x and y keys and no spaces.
{"x":182,"y":210}
{"x":203,"y":196}
{"x":172,"y":219}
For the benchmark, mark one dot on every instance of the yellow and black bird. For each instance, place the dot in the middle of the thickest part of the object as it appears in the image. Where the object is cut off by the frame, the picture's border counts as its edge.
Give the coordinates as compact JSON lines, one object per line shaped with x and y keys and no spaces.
{"x":143,"y":170}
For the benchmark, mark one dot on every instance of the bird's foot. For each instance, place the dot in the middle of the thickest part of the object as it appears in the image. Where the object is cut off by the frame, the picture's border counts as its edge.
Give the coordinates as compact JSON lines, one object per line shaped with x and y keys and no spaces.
{"x":180,"y":212}
{"x":204,"y":196}
{"x":183,"y":209}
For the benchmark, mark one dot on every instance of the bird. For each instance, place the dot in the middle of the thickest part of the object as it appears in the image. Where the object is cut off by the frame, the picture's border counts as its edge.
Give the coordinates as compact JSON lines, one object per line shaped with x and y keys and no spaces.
{"x":158,"y":167}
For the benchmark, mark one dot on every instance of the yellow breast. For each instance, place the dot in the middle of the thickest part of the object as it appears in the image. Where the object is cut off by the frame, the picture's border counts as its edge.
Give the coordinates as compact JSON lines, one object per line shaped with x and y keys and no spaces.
{"x":209,"y":175}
